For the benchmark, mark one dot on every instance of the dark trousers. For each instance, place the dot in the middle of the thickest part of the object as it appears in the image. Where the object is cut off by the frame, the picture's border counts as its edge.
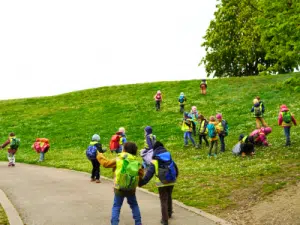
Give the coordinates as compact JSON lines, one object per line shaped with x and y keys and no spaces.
{"x":157,"y":105}
{"x":96,"y":169}
{"x":213,"y":144}
{"x":222,"y":141}
{"x":247,"y":148}
{"x":165,"y":196}
{"x":287,"y":133}
{"x":204,"y":138}
{"x":194,"y":128}
{"x":181,"y":108}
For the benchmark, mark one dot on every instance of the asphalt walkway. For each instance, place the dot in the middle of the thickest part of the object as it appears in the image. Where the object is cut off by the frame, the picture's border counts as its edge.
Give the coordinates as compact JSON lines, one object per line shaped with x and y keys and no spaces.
{"x":47,"y":196}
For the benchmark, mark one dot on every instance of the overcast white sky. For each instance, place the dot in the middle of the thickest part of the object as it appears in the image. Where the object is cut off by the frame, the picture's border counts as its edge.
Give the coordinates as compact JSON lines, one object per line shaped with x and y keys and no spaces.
{"x":58,"y":46}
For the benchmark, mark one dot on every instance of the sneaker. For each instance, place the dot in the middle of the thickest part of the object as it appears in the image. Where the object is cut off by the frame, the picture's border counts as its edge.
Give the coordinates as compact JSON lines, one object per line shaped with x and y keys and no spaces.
{"x":186,"y":145}
{"x":93,"y":179}
{"x":164,"y":222}
{"x":215,"y":155}
{"x":13,"y":164}
{"x":209,"y":155}
{"x":10,"y":164}
{"x":98,"y":181}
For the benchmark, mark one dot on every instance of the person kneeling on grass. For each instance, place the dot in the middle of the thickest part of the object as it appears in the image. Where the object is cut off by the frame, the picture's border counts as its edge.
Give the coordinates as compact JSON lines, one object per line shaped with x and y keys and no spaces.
{"x":166,"y":173}
{"x":247,"y":145}
{"x":41,"y":146}
{"x":126,"y":168}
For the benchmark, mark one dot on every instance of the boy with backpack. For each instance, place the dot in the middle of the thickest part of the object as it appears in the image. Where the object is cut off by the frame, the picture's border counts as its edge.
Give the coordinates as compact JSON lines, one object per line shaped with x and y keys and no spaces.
{"x":258,"y":110}
{"x":127,"y":173}
{"x":202,"y":129}
{"x":12,"y":145}
{"x":203,"y":86}
{"x":147,"y":152}
{"x":166,"y":173}
{"x":286,"y":119}
{"x":181,"y":101}
{"x":213,"y":137}
{"x":158,"y":99}
{"x":41,"y":146}
{"x":194,"y":115}
{"x":117,"y":141}
{"x":187,"y":128}
{"x":91,"y":153}
{"x":223,"y":130}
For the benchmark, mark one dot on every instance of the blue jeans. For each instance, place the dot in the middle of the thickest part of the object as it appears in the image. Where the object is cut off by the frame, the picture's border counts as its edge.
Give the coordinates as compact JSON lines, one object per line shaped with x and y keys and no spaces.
{"x":188,"y":135}
{"x":131,"y":200}
{"x":42,"y":156}
{"x":222,"y":141}
{"x":287,"y":133}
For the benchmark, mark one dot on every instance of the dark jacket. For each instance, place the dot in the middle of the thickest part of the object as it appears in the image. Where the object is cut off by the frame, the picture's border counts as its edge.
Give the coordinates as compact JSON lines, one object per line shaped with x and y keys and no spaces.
{"x":151,"y":170}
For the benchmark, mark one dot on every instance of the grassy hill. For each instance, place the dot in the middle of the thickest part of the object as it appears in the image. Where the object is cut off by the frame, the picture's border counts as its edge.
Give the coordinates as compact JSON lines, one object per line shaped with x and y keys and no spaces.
{"x":215,"y":185}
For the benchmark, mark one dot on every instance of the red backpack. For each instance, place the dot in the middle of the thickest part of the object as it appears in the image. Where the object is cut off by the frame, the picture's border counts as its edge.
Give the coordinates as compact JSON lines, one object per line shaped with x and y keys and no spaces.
{"x":114,"y":143}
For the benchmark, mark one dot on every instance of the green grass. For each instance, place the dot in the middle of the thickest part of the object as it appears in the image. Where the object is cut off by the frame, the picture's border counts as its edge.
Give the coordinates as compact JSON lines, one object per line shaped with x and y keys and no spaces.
{"x":214,"y":185}
{"x":3,"y":217}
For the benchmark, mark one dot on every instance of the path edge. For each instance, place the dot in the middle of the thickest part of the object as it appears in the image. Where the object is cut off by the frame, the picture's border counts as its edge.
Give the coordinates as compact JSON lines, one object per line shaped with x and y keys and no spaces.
{"x":11,"y":212}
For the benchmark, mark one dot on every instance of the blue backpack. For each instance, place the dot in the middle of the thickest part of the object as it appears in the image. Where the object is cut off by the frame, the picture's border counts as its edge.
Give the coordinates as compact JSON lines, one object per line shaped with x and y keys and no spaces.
{"x":181,"y":98}
{"x":91,"y":152}
{"x":166,"y":168}
{"x":211,"y":130}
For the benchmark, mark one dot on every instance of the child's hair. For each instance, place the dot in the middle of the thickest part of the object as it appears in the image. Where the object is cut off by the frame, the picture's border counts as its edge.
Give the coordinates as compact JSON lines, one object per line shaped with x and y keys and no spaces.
{"x":157,"y":144}
{"x":122,"y":129}
{"x":158,"y":92}
{"x":255,"y":101}
{"x":212,"y":118}
{"x":11,"y":134}
{"x":258,"y":98}
{"x":96,"y":137}
{"x":201,"y":117}
{"x":130,"y":147}
{"x":194,"y":108}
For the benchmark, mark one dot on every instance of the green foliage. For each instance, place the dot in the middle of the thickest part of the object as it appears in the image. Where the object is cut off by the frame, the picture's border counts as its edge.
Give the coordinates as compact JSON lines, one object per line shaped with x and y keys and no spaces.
{"x":249,"y":36}
{"x":3,"y":217}
{"x":291,"y":85}
{"x":212,"y":184}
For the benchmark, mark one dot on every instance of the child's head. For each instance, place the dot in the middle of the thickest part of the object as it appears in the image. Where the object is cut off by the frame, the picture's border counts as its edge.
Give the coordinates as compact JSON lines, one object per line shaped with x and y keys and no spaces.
{"x":194,"y":108}
{"x":157,"y":144}
{"x":201,"y":117}
{"x":258,"y":98}
{"x":255,"y":101}
{"x":122,"y":130}
{"x":212,"y":119}
{"x":181,"y":94}
{"x":96,"y":137}
{"x":283,"y":108}
{"x":148,"y":130}
{"x":130,"y":147}
{"x":266,"y":130}
{"x":241,"y":137}
{"x":219,"y":116}
{"x":158,"y":92}
{"x":12,"y":134}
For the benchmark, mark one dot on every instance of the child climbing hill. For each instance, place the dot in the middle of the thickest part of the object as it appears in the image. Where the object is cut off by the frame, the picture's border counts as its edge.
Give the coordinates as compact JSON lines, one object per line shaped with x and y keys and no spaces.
{"x":41,"y":146}
{"x":286,"y":119}
{"x":181,"y":101}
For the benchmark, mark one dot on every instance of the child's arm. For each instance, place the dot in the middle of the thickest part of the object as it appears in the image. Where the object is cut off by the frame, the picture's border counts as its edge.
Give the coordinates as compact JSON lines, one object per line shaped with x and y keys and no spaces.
{"x":104,"y":162}
{"x":5,"y":144}
{"x":99,"y":148}
{"x":148,"y":176}
{"x":294,"y":120}
{"x":280,"y":119}
{"x":252,"y":110}
{"x":149,"y":143}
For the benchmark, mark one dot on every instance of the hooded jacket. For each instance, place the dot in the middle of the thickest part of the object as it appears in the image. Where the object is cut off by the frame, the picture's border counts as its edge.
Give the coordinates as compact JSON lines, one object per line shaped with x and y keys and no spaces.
{"x":283,"y":108}
{"x":149,"y":138}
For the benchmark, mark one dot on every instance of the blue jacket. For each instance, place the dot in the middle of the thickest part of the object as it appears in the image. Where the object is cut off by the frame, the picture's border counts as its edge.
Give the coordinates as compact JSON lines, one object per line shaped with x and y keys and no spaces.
{"x":258,"y":104}
{"x":151,"y":170}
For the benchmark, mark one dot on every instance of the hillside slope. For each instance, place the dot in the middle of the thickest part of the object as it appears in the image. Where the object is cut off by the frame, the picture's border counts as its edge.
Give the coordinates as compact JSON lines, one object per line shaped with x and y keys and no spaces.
{"x":214,"y":185}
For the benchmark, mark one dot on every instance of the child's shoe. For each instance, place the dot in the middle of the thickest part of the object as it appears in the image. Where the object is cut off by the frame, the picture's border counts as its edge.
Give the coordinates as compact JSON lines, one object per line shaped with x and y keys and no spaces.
{"x":98,"y":181}
{"x":93,"y":179}
{"x":10,"y":164}
{"x":209,"y":155}
{"x":164,"y":222}
{"x":13,"y":164}
{"x":215,"y":155}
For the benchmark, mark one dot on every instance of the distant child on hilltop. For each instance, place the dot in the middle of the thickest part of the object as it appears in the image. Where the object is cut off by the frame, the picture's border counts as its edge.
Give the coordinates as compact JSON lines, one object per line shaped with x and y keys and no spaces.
{"x":187,"y":128}
{"x":203,"y":86}
{"x":181,"y":101}
{"x":117,"y":141}
{"x":158,"y":99}
{"x":260,"y":136}
{"x":194,"y":118}
{"x":127,"y":174}
{"x":202,"y":129}
{"x":286,"y":119}
{"x":222,"y":128}
{"x":91,"y":153}
{"x":12,"y":145}
{"x":213,"y":136}
{"x":258,"y":110}
{"x":41,"y":146}
{"x":147,"y":152}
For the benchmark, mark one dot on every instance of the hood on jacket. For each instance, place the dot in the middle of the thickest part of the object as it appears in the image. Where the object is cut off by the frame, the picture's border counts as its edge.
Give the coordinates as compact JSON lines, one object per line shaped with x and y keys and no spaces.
{"x":284,"y":108}
{"x":148,"y":130}
{"x":256,"y":104}
{"x":119,"y":133}
{"x":267,"y":130}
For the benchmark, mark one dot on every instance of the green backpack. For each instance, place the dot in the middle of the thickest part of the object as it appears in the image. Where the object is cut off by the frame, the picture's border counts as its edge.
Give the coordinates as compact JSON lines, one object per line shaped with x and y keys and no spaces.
{"x":287,"y":117}
{"x":127,"y":177}
{"x":257,"y":111}
{"x":14,"y":143}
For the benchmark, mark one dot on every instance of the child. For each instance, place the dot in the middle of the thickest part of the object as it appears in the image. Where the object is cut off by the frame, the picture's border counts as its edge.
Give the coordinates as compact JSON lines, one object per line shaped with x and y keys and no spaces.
{"x":147,"y":152}
{"x":165,"y":179}
{"x":181,"y":101}
{"x":41,"y":146}
{"x":194,"y":115}
{"x":202,"y":130}
{"x":12,"y":145}
{"x":203,"y":86}
{"x":187,"y":128}
{"x":158,"y":99}
{"x":260,"y":136}
{"x":222,"y":127}
{"x":117,"y":141}
{"x":247,"y":145}
{"x":91,"y":153}
{"x":122,"y":189}
{"x":258,"y":111}
{"x":286,"y":119}
{"x":123,"y":139}
{"x":213,"y":137}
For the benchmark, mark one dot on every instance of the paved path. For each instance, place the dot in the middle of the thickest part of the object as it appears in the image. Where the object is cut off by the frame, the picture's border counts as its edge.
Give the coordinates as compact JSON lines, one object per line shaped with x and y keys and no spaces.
{"x":48,"y":196}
